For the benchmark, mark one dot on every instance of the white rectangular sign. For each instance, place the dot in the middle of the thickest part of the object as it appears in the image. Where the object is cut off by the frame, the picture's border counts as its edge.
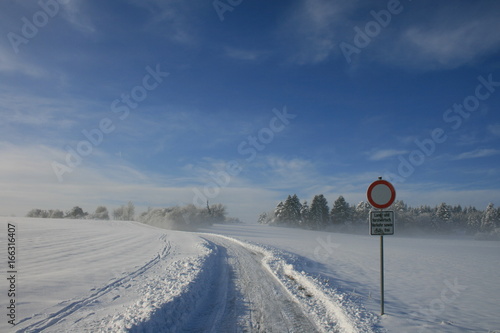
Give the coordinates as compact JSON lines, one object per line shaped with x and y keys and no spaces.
{"x":382,"y":222}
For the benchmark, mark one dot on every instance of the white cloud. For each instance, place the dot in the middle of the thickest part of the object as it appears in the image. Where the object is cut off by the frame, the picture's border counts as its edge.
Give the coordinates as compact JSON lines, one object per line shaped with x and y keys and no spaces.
{"x":453,"y":46}
{"x":241,"y":54}
{"x":383,"y":154}
{"x":450,"y":36}
{"x":178,"y":15}
{"x":20,"y":108}
{"x":494,"y":129}
{"x":312,"y":26}
{"x":478,"y":153}
{"x":12,"y":63}
{"x":74,"y":14}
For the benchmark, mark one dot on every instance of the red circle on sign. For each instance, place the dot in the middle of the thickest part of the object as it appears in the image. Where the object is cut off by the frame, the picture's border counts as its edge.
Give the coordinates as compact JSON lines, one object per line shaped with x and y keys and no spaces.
{"x":381,"y":194}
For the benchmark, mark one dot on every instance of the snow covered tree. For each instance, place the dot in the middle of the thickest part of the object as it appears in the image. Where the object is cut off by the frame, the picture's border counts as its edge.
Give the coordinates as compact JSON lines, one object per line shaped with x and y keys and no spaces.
{"x":340,"y":213}
{"x":263,"y":218}
{"x":35,"y":213}
{"x":362,"y":212}
{"x":291,"y":210}
{"x":305,"y":215}
{"x":489,"y":219}
{"x":75,"y":213}
{"x":101,"y":213}
{"x":399,"y":206}
{"x":442,"y":217}
{"x":403,"y":214}
{"x":319,"y":212}
{"x":125,"y":213}
{"x":443,"y":212}
{"x":56,"y":214}
{"x":474,"y":218}
{"x":279,"y":215}
{"x":216,"y":213}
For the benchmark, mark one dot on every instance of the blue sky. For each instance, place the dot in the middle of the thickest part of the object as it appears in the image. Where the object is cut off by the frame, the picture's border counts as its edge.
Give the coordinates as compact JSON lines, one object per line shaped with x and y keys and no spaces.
{"x":245,"y":102}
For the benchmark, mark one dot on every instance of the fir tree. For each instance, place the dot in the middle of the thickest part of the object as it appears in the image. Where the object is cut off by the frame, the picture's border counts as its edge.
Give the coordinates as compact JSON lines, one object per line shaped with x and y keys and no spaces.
{"x":362,"y":212}
{"x":295,"y":209}
{"x":319,"y":212}
{"x":340,"y":213}
{"x":473,"y":220}
{"x":443,"y":212}
{"x":291,"y":210}
{"x":279,"y":213}
{"x":441,"y":217}
{"x":489,"y":220}
{"x":305,"y":215}
{"x":263,"y":218}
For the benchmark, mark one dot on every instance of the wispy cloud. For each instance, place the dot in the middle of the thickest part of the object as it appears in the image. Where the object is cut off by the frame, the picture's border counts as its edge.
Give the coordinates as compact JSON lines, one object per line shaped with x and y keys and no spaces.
{"x":32,"y":110}
{"x":179,"y":16}
{"x":10,"y":63}
{"x":494,"y":129}
{"x":445,"y":41}
{"x":313,"y":28}
{"x":452,"y":47}
{"x":383,"y":154}
{"x":243,"y":54}
{"x":478,"y":153}
{"x":75,"y":15}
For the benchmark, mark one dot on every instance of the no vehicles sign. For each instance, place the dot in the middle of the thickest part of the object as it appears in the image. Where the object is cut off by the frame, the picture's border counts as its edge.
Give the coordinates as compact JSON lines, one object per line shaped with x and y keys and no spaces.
{"x":382,"y":222}
{"x":381,"y":194}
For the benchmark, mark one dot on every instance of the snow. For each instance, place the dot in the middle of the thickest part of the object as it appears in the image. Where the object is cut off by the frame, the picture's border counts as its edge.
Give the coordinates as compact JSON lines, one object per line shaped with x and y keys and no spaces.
{"x":431,"y":284}
{"x":118,"y":276}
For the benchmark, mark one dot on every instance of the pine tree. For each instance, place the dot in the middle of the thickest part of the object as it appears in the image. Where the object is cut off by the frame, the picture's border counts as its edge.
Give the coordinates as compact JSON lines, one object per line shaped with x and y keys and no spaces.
{"x":441,"y":217}
{"x":473,"y":220}
{"x":443,"y":212}
{"x":319,"y":212}
{"x":305,"y":215}
{"x":262,"y":218}
{"x":340,"y":213}
{"x":403,"y":214}
{"x":400,"y":207}
{"x":362,"y":212}
{"x":489,"y":220}
{"x":279,"y":213}
{"x":295,"y":209}
{"x":498,"y":219}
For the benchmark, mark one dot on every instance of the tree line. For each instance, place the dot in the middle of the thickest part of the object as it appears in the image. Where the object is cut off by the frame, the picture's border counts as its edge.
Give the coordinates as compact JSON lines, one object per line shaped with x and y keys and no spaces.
{"x":442,"y":218}
{"x":124,"y":213}
{"x":187,"y":217}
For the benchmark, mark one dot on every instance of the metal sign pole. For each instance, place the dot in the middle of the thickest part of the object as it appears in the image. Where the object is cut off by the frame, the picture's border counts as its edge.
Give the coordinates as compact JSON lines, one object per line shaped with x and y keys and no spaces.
{"x":381,"y":275}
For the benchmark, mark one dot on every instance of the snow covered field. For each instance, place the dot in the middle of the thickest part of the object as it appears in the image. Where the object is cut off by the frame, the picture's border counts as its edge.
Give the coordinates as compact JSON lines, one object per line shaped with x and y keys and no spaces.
{"x":113,"y":276}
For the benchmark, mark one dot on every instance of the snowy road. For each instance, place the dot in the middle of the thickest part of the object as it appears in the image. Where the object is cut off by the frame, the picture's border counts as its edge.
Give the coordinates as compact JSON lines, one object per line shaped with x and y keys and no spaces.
{"x":244,"y":296}
{"x":119,"y":276}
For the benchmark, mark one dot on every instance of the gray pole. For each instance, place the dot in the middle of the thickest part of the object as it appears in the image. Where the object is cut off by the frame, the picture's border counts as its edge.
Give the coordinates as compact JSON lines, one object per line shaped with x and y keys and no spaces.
{"x":381,"y":275}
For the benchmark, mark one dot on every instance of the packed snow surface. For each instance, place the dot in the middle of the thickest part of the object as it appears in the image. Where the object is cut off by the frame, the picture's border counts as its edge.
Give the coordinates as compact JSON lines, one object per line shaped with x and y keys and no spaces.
{"x":118,"y":276}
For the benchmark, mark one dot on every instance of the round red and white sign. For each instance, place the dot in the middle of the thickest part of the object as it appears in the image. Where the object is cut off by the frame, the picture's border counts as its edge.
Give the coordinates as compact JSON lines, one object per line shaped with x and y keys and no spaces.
{"x":381,"y":194}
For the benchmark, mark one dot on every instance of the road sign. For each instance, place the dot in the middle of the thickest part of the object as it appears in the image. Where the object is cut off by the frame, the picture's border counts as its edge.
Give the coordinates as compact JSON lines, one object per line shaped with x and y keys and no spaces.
{"x":382,"y":222}
{"x":381,"y":194}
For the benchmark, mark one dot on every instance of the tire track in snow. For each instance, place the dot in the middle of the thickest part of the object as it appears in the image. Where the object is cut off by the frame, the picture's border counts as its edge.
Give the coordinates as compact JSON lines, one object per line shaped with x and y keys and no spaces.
{"x":54,"y":318}
{"x":246,"y":296}
{"x":327,"y":309}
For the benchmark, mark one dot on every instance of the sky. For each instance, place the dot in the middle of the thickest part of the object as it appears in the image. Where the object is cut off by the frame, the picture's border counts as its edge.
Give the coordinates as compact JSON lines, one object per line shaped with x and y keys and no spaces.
{"x":244,"y":102}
